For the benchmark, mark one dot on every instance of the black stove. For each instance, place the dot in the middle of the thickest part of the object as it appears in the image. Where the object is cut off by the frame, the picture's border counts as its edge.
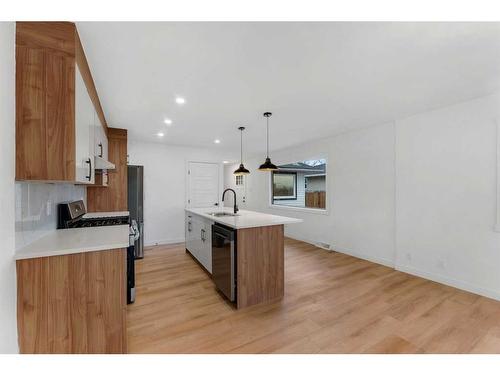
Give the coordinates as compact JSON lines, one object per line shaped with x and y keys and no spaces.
{"x":97,"y":222}
{"x":72,"y":215}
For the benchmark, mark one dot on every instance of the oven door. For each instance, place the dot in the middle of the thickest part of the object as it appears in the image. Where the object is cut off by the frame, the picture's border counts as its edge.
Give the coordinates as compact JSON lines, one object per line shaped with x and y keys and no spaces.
{"x":130,"y":275}
{"x":224,"y":260}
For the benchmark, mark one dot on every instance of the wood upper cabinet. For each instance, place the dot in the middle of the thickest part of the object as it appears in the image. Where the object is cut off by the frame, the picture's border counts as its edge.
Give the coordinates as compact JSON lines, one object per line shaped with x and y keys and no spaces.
{"x":57,"y":107}
{"x":113,"y":197}
{"x":101,"y":140}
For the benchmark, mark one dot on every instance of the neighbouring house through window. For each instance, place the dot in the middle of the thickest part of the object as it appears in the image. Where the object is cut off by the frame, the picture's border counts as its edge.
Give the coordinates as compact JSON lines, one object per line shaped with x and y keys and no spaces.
{"x":301,"y":184}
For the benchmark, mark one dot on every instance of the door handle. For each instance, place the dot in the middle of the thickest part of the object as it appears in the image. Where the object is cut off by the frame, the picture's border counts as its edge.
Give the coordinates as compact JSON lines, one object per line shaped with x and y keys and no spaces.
{"x":89,"y":162}
{"x":100,"y":153}
{"x":216,"y":204}
{"x":189,"y":226}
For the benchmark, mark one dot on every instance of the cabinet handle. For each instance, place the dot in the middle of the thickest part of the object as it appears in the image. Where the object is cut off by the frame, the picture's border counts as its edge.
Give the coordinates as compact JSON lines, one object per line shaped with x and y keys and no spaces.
{"x":100,"y":153}
{"x":189,"y":226}
{"x":203,"y":235}
{"x":89,"y":162}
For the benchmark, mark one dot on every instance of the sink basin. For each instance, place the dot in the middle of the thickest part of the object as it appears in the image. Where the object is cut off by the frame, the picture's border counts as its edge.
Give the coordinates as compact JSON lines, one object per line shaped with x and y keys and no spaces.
{"x":218,"y":214}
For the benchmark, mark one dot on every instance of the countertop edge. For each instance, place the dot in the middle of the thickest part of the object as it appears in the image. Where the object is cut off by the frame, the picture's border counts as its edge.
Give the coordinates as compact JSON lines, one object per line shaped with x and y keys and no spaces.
{"x":287,"y":220}
{"x":76,"y":241}
{"x":45,"y":254}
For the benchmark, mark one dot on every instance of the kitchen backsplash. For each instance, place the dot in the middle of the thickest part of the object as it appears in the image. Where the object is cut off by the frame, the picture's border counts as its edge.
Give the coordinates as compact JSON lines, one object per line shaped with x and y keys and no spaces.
{"x":36,"y":208}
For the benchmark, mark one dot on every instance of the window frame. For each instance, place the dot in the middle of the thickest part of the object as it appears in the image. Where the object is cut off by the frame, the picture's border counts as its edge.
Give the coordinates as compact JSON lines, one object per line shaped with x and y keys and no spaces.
{"x":305,"y":210}
{"x":294,"y":188}
{"x":241,"y":178}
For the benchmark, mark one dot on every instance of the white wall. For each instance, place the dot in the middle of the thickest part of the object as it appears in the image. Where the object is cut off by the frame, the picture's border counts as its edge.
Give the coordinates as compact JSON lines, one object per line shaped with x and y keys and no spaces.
{"x":8,"y":325}
{"x":36,"y":208}
{"x":359,"y":219}
{"x":165,"y":186}
{"x":418,"y":194}
{"x":446,"y":196}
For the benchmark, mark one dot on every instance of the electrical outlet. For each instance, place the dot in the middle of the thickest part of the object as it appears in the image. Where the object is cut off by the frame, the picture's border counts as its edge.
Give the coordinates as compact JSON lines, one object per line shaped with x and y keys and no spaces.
{"x":48,"y":207}
{"x":408,"y":257}
{"x":441,"y":264}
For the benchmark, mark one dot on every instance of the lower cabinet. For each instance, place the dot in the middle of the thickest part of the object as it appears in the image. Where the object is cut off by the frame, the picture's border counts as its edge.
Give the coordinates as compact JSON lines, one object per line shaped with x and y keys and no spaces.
{"x":199,"y":239}
{"x":73,"y":303}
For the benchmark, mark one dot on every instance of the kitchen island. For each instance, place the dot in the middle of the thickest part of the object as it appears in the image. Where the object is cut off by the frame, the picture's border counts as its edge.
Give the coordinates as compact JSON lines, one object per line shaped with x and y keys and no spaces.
{"x":259,"y":269}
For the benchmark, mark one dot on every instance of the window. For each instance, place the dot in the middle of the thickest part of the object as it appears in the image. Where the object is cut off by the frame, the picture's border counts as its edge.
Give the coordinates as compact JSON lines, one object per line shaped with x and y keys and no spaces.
{"x":239,"y":180}
{"x":301,"y":184}
{"x":285,"y":185}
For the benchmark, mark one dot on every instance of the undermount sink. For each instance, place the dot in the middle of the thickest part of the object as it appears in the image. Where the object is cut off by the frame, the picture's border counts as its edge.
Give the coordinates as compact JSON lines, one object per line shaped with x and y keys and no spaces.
{"x":218,"y":214}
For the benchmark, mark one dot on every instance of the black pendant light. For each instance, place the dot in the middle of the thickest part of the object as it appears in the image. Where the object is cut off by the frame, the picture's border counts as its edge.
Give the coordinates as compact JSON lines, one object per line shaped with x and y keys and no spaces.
{"x":241,"y":170}
{"x":268,"y":166}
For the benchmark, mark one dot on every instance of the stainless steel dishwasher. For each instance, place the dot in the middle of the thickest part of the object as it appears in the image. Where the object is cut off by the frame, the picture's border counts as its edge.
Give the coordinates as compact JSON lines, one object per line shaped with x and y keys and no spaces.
{"x":224,"y":260}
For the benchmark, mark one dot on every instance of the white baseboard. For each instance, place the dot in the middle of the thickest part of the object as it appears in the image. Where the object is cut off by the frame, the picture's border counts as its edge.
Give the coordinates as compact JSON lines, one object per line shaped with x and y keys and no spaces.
{"x":463,"y":285}
{"x":306,"y":240}
{"x":368,"y":257}
{"x":379,"y":260}
{"x":165,"y":242}
{"x":485,"y":292}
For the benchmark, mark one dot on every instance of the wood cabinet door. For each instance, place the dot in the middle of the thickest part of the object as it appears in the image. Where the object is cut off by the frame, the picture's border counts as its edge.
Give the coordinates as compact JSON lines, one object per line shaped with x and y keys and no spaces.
{"x":45,"y":134}
{"x":72,"y":303}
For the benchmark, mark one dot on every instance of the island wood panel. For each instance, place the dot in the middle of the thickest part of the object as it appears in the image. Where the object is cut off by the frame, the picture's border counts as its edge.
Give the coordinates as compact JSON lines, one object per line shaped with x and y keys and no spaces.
{"x":72,"y":303}
{"x":260,"y":265}
{"x":114,"y":196}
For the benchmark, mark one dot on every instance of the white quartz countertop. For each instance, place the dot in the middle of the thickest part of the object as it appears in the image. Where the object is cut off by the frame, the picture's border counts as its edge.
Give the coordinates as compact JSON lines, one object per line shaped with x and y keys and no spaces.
{"x":93,"y":215}
{"x":244,"y":218}
{"x":77,"y":240}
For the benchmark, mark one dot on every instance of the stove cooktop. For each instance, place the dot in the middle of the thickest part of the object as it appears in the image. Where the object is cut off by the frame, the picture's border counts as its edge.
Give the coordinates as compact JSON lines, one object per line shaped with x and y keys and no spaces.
{"x":97,"y":222}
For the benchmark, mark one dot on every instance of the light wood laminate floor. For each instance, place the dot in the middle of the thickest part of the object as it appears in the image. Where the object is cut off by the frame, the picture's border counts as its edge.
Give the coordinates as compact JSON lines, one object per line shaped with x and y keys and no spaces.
{"x":333,"y":303}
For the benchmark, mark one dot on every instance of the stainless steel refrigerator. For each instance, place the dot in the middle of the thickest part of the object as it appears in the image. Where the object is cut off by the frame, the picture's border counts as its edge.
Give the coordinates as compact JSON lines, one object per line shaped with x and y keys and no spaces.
{"x":136,"y":204}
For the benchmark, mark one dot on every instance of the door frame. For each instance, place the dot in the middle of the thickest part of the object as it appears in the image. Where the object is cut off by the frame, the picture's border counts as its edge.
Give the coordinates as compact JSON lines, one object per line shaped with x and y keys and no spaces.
{"x":219,"y":185}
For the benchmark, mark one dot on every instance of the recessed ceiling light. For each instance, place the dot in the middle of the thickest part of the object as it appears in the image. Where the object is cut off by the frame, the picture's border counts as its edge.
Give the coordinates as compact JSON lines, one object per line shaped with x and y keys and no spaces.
{"x":225,"y":162}
{"x":217,"y":141}
{"x":160,"y":134}
{"x":167,"y":121}
{"x":180,"y":100}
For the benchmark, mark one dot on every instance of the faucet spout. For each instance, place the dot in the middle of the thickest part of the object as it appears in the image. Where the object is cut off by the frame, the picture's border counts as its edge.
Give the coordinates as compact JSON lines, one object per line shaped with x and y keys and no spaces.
{"x":235,"y":209}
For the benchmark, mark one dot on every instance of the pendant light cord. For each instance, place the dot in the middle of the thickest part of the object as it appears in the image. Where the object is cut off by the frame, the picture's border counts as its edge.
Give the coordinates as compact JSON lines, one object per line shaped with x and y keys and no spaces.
{"x":241,"y":146}
{"x":267,"y":118}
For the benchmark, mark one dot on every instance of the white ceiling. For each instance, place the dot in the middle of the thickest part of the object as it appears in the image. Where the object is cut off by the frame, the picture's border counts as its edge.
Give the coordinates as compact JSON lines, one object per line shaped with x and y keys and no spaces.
{"x":318,"y":79}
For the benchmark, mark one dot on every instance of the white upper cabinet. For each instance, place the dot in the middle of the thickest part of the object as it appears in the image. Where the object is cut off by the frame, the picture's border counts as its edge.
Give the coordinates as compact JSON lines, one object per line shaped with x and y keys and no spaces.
{"x":101,"y":140}
{"x":84,"y":132}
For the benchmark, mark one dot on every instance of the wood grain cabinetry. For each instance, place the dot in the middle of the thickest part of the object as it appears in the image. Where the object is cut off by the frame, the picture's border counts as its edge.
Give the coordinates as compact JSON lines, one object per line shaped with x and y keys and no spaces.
{"x":260,"y":265}
{"x":114,"y":196}
{"x":72,"y":303}
{"x":50,"y":138}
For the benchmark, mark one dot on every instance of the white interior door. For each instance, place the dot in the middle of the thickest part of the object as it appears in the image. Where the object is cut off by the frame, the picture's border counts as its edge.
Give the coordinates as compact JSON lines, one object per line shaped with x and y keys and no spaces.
{"x":203,"y":184}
